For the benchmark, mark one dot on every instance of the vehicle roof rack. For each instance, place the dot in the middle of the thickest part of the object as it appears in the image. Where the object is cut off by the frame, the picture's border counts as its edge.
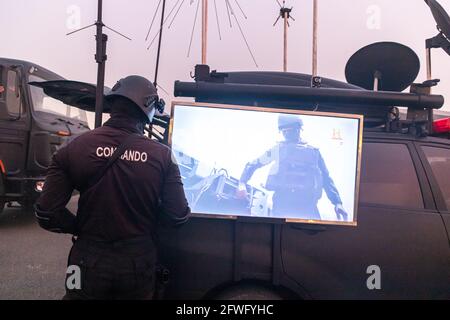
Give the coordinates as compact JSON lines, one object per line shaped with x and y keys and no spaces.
{"x":294,"y":91}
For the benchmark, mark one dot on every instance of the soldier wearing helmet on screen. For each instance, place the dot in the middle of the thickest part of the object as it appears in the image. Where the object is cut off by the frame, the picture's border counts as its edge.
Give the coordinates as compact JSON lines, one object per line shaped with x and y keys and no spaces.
{"x":297,"y":177}
{"x":121,"y":200}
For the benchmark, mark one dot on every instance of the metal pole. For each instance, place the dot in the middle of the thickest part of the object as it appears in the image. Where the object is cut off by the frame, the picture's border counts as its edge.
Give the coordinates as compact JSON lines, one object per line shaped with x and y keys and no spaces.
{"x":428,"y":63}
{"x":285,"y":17}
{"x":375,"y":84}
{"x":429,"y":75}
{"x":376,"y":80}
{"x":159,"y":43}
{"x":204,"y":29}
{"x":314,"y":53}
{"x":100,"y":58}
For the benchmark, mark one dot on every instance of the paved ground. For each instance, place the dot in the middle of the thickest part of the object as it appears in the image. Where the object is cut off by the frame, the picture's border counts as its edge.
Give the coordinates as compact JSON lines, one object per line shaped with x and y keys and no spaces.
{"x":32,"y":260}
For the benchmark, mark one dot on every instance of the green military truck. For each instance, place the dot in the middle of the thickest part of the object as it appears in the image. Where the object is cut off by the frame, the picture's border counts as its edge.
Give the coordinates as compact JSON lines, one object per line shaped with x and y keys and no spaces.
{"x":32,"y":127}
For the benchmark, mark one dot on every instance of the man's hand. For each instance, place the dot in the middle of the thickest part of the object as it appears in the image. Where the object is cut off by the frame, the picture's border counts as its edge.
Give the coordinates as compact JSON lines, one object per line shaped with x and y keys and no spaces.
{"x":241,"y":192}
{"x":62,"y":221}
{"x":340,"y":212}
{"x":2,"y":89}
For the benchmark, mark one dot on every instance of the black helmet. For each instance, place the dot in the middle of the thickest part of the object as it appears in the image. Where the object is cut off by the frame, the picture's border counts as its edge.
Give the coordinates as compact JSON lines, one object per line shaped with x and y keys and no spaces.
{"x":289,"y":121}
{"x":140,"y":91}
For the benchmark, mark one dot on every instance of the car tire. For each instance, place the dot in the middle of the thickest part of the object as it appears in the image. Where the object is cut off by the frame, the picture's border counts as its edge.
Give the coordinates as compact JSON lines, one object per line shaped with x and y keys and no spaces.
{"x":248,"y":292}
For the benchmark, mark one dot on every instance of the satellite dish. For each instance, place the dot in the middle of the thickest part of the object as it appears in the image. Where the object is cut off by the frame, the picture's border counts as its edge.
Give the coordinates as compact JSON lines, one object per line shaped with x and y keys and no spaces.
{"x":443,"y":24}
{"x":441,"y":17}
{"x":386,"y":66}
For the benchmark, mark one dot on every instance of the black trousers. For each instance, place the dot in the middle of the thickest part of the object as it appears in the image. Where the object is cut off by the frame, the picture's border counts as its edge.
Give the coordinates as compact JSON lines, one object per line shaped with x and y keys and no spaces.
{"x":111,"y":271}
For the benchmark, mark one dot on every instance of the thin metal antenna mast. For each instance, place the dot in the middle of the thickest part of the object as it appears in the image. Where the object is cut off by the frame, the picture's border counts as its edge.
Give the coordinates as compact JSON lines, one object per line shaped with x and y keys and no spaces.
{"x":164,"y":22}
{"x":153,"y":20}
{"x":240,"y":8}
{"x":314,"y":53}
{"x":155,"y":83}
{"x":100,"y":58}
{"x":228,"y":13}
{"x":242,"y":32}
{"x":193,"y":27}
{"x":204,"y":30}
{"x":285,"y":14}
{"x":204,"y":36}
{"x":176,"y":14}
{"x":217,"y":19}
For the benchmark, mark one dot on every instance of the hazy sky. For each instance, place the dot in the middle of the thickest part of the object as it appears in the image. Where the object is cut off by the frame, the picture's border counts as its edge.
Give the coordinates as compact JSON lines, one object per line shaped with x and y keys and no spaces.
{"x":35,"y":30}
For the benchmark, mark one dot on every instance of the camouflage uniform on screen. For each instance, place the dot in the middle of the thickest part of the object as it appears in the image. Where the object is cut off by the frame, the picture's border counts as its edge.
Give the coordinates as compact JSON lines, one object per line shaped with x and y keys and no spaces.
{"x":298,"y":175}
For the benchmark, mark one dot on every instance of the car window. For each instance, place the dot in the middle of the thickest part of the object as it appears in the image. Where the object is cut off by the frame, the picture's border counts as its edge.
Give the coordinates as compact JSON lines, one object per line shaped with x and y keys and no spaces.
{"x":439,"y":159}
{"x":388,"y":176}
{"x":13,"y":99}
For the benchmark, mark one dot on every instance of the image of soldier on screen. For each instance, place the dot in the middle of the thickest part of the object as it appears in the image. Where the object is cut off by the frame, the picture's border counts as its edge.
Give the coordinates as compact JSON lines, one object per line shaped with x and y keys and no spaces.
{"x":297,"y":177}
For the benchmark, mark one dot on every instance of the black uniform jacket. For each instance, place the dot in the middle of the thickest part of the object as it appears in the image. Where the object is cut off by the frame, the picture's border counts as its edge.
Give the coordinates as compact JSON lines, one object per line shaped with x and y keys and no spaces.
{"x":142,"y":186}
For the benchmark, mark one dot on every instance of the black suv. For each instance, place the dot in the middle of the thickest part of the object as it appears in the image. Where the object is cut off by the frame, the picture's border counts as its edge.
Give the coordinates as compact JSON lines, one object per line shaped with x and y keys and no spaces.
{"x":403,"y":220}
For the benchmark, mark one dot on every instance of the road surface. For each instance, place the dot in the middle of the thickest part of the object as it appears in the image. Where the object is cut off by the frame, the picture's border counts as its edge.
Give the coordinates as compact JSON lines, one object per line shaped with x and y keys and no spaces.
{"x":32,"y":260}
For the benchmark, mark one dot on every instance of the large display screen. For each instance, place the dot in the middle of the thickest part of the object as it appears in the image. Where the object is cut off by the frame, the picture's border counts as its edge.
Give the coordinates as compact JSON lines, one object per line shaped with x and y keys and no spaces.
{"x":268,"y":163}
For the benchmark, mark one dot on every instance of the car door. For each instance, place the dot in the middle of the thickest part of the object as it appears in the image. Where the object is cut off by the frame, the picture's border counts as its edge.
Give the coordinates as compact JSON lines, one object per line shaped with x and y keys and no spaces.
{"x":436,"y":159}
{"x":400,"y":236}
{"x":14,"y":122}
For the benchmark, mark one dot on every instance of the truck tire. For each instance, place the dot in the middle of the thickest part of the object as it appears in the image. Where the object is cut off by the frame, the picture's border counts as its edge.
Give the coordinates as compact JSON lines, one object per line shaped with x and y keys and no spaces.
{"x":248,"y":292}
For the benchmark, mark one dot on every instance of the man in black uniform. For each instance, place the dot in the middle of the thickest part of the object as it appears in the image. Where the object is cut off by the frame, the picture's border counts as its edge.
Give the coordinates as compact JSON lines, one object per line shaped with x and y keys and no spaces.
{"x":297,"y":177}
{"x":115,"y":246}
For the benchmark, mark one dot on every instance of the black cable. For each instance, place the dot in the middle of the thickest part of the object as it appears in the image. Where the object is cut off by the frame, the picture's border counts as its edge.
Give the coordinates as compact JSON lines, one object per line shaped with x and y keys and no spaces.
{"x":153,"y":20}
{"x":193,"y":27}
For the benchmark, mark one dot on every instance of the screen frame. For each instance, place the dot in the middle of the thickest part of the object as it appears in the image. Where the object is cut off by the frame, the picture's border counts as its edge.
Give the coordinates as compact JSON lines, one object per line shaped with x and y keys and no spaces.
{"x":358,"y":117}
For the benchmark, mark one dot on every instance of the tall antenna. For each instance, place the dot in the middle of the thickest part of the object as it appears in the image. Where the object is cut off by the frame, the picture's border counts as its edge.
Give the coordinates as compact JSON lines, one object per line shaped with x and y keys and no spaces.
{"x":204,"y":32}
{"x":155,"y":83}
{"x":314,"y":52}
{"x":285,"y":14}
{"x":204,"y":29}
{"x":100,"y":58}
